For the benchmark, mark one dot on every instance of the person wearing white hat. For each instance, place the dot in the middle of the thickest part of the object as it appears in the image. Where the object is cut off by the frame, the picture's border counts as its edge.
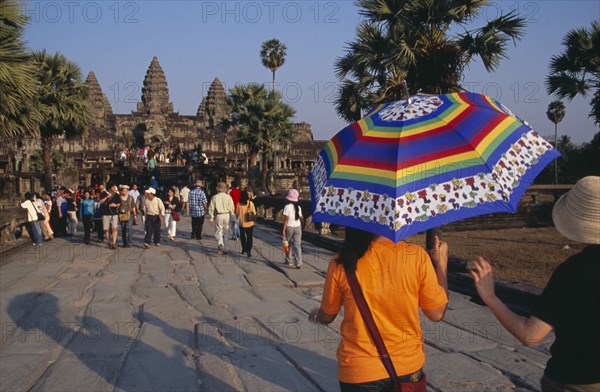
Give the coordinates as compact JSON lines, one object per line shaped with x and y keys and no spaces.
{"x":155,"y":213}
{"x":570,"y":302}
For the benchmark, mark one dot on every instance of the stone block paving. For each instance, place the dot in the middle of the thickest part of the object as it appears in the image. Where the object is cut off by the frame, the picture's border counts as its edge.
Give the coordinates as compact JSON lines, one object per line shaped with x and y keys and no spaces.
{"x":181,"y":318}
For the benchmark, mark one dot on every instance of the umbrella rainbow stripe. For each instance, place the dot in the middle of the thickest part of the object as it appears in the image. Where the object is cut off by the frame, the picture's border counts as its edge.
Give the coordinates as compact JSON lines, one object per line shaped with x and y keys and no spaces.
{"x":406,"y":168}
{"x":449,"y":153}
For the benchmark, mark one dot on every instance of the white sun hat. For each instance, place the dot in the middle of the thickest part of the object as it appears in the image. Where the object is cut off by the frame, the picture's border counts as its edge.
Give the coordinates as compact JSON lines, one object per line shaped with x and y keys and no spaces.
{"x":576,"y":214}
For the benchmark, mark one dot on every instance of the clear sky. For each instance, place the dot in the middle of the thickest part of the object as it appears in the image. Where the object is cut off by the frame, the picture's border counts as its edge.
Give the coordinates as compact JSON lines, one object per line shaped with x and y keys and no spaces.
{"x":196,"y":41}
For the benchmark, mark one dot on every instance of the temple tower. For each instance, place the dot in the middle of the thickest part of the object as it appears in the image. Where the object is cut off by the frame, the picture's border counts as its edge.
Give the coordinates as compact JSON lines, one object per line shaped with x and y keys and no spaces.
{"x":213,"y":108}
{"x":100,"y":106}
{"x":155,"y":93}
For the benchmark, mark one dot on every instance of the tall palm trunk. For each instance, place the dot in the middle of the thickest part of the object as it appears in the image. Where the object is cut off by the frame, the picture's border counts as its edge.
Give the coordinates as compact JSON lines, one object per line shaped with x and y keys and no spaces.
{"x":273,"y":88}
{"x":47,"y":161}
{"x":556,"y":146}
{"x":264,"y":173}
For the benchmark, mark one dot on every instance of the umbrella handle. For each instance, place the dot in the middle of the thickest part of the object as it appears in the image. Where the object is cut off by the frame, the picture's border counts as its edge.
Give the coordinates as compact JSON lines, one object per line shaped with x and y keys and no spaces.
{"x":429,"y":234}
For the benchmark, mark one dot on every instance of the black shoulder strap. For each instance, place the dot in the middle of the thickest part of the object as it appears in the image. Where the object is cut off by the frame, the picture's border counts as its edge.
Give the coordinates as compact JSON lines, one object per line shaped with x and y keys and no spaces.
{"x":365,"y":312}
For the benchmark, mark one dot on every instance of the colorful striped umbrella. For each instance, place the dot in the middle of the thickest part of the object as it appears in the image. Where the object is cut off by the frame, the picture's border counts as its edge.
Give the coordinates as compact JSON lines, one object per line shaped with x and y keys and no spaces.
{"x":409,"y":166}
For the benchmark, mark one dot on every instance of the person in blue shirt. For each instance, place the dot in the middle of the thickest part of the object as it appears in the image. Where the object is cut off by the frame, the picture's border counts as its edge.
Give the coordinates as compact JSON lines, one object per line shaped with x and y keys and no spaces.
{"x":198,"y":207}
{"x":86,"y":214}
{"x":98,"y":215}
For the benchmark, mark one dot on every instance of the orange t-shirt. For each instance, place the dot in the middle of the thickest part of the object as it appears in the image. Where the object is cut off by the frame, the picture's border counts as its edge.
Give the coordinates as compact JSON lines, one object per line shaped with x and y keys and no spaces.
{"x":396,"y":280}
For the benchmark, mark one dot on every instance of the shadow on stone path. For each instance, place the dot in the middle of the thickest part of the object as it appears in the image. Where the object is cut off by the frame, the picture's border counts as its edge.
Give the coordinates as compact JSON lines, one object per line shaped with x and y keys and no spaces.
{"x":181,"y":318}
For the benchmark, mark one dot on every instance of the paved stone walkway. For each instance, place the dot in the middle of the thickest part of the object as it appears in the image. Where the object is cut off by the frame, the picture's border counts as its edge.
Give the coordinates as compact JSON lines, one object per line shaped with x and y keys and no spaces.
{"x":180,"y":318}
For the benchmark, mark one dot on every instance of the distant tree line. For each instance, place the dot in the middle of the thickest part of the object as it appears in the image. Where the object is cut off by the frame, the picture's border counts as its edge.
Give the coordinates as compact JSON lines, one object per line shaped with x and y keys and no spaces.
{"x":577,"y":161}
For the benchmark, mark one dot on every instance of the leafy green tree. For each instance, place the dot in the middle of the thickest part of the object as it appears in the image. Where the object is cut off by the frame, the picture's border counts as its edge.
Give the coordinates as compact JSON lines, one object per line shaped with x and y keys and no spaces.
{"x":576,"y":71}
{"x":556,"y":113}
{"x":63,"y":102}
{"x":36,"y":163}
{"x":262,"y":121}
{"x":413,"y":41}
{"x":18,"y":85}
{"x":273,"y":54}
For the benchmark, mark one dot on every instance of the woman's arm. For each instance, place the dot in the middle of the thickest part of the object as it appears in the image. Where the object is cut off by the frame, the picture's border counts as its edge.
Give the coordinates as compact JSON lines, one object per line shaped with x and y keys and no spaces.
{"x":286,"y":219}
{"x":528,"y":331}
{"x":317,"y":315}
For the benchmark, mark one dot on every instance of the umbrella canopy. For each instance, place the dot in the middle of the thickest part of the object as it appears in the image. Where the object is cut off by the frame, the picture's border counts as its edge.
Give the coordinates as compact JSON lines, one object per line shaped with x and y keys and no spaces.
{"x":409,"y":166}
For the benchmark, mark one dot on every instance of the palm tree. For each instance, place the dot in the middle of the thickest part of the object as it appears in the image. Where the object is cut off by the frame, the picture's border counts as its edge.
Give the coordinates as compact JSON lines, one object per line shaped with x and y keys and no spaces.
{"x":272,"y":54}
{"x":18,"y":85}
{"x":576,"y":71}
{"x":407,"y":40}
{"x":63,"y":102}
{"x":556,"y":113}
{"x":262,"y":119}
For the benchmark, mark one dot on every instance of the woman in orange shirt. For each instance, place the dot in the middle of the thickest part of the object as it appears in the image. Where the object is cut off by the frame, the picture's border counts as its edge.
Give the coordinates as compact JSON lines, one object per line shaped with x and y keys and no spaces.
{"x":396,"y":280}
{"x":244,"y":209}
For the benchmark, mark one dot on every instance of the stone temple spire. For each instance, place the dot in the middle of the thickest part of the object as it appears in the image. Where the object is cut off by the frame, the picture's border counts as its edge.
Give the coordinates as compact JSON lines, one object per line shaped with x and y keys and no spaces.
{"x":100,"y":106}
{"x":155,"y":93}
{"x":213,"y":109}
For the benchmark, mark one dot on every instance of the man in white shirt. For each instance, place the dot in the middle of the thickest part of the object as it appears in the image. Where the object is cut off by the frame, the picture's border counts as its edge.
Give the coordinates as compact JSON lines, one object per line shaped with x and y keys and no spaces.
{"x":220,"y":212}
{"x":155,"y":214}
{"x":185,"y":194}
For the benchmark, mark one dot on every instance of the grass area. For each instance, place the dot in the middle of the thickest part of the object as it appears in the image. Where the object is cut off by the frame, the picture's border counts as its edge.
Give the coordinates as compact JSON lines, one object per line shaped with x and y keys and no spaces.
{"x":518,"y":255}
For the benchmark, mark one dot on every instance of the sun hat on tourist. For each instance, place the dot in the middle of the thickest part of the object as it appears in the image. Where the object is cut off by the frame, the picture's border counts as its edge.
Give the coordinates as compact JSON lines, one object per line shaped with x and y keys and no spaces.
{"x":292,"y":195}
{"x":198,"y":183}
{"x":151,"y":190}
{"x":576,"y":214}
{"x":124,"y":186}
{"x":222,"y":187}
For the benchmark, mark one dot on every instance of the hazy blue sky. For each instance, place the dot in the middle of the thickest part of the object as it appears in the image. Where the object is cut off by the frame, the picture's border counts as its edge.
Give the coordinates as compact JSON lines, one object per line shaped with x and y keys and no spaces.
{"x":195,"y":41}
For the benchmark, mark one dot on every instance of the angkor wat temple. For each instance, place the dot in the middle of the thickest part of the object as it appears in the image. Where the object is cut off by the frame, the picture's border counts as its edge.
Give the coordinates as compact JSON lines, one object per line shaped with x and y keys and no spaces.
{"x":94,"y":156}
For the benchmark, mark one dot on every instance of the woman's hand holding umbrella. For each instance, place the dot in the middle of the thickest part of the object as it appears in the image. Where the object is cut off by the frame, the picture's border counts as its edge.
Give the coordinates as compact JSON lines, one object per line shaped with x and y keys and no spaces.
{"x":439,"y":258}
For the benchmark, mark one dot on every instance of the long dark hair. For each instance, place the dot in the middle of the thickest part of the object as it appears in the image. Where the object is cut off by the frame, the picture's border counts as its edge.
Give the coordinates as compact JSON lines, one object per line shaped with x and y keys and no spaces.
{"x":295,"y":204}
{"x":243,"y":198}
{"x":356,"y":244}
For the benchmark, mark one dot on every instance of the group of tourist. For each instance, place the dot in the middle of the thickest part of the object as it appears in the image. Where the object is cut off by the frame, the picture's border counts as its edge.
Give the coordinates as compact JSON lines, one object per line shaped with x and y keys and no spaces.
{"x":106,"y":211}
{"x":395,"y":290}
{"x":151,"y":156}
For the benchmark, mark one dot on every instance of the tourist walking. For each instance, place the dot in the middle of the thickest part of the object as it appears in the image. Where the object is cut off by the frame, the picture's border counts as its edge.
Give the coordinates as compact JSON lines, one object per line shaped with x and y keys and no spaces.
{"x":220,"y":211}
{"x":135,"y":194}
{"x":396,"y":280}
{"x":110,"y":214}
{"x":98,"y":215}
{"x":71,"y":213}
{"x":292,"y":229}
{"x":42,"y":216}
{"x":569,"y":303}
{"x":60,"y":221}
{"x":235,"y":192}
{"x":198,"y":205}
{"x":155,"y":211}
{"x":127,"y":211}
{"x":33,"y":226}
{"x":185,"y":194}
{"x":140,"y":206}
{"x":172,"y":207}
{"x":47,"y":231}
{"x":246,"y":212}
{"x":86,"y":214}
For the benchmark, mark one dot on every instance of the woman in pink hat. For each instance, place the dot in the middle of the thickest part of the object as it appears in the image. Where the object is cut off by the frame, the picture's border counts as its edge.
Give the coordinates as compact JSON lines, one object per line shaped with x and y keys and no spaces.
{"x":292,"y":229}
